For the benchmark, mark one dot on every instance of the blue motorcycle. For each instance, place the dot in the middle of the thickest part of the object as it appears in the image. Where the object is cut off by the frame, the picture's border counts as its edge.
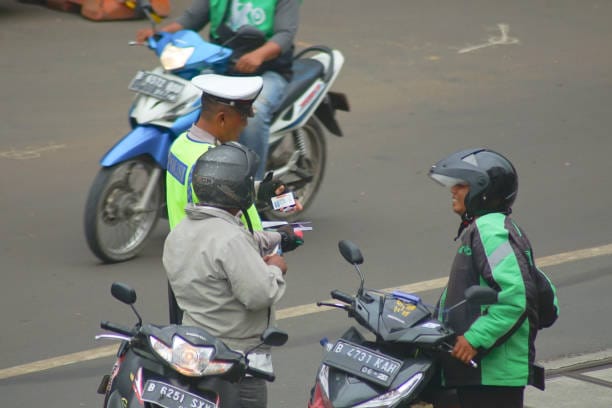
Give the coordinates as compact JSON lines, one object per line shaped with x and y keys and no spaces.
{"x":127,"y":197}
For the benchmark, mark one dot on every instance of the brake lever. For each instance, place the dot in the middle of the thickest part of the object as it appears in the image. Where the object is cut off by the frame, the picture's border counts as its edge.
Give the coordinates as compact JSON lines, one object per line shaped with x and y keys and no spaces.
{"x":336,"y":305}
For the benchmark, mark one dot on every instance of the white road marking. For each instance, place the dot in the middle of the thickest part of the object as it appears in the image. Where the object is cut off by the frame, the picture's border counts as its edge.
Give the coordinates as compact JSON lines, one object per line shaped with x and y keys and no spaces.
{"x":290,"y":312}
{"x":503,"y":40}
{"x":30,"y":152}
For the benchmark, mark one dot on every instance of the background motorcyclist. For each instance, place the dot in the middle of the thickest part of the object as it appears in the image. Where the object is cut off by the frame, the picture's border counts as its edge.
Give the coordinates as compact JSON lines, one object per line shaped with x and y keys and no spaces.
{"x":215,"y":265}
{"x":278,"y":21}
{"x":226,"y":105}
{"x":494,"y":252}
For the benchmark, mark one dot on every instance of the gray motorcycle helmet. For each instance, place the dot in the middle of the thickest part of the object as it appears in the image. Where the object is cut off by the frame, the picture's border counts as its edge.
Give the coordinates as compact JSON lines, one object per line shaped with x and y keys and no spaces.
{"x":492,"y":179}
{"x":224,"y":176}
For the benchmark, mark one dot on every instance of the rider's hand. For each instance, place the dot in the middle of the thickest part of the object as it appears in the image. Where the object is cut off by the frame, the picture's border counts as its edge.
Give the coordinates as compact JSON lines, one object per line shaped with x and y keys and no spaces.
{"x":249,"y":62}
{"x":142,"y":35}
{"x":290,"y":239}
{"x":463,"y":350}
{"x":277,"y":261}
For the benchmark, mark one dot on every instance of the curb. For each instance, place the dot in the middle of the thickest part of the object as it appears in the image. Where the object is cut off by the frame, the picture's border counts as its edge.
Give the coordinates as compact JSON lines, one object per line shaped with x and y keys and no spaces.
{"x":559,"y":366}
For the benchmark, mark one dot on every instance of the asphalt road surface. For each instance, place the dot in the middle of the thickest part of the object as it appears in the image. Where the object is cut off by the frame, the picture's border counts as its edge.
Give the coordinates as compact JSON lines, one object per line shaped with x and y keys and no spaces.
{"x":528,"y":78}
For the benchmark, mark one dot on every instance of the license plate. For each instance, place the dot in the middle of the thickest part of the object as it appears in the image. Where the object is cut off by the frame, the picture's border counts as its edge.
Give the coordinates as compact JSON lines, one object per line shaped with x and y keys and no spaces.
{"x":167,"y":396}
{"x":363,"y":362}
{"x":156,"y":86}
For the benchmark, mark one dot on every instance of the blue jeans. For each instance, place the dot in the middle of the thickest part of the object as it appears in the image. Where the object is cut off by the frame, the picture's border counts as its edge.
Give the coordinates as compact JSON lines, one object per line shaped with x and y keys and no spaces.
{"x":257,"y":132}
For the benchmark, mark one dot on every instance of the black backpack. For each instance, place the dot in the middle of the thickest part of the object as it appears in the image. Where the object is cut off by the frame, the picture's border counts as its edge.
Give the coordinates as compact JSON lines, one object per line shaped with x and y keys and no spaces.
{"x":548,"y":311}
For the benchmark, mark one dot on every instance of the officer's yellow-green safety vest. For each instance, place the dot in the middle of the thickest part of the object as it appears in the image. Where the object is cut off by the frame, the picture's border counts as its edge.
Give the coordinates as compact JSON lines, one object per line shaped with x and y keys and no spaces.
{"x":183,"y":155}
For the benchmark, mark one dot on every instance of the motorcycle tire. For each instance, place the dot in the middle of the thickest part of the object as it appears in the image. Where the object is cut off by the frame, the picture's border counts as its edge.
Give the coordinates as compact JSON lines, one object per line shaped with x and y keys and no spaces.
{"x":115,"y":232}
{"x":306,"y":174}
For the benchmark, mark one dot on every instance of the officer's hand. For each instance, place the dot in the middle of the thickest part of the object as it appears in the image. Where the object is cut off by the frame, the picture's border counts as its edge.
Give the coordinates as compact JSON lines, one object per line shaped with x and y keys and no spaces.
{"x":268,"y":188}
{"x":276,"y":260}
{"x":463,"y":350}
{"x":290,"y":239}
{"x":296,"y":208}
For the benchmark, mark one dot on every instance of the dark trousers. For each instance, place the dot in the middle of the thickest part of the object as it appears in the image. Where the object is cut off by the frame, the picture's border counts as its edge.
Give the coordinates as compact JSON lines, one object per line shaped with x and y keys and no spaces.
{"x":253,"y":393}
{"x":175,"y":312}
{"x":490,"y":397}
{"x":477,"y":397}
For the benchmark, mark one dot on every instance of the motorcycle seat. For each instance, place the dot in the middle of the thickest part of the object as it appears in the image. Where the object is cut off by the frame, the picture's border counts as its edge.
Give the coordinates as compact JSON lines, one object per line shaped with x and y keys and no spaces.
{"x":305,"y":72}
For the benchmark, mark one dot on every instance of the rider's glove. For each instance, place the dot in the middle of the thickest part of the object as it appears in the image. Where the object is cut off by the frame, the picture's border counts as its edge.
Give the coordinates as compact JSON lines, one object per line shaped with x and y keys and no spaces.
{"x":290,"y":239}
{"x":267,"y":189}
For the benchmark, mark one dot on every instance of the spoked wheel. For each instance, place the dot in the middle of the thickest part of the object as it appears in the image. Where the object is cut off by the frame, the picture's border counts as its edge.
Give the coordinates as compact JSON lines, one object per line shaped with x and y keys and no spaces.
{"x":115,"y":227}
{"x":298,"y":160}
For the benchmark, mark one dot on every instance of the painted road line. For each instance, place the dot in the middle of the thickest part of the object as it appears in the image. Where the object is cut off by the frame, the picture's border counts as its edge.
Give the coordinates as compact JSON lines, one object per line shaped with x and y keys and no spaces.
{"x":291,"y":312}
{"x":60,"y":361}
{"x":30,"y":152}
{"x":504,"y":39}
{"x":439,"y":283}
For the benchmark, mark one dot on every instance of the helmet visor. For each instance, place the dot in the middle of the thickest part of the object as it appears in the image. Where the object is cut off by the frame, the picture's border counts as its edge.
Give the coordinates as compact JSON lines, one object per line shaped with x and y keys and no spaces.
{"x":447,"y":181}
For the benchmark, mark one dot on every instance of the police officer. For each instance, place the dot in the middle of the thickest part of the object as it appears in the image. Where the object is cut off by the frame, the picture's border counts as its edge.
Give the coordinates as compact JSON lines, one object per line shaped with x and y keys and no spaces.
{"x":215,"y":265}
{"x":226,"y":105}
{"x":495,"y":252}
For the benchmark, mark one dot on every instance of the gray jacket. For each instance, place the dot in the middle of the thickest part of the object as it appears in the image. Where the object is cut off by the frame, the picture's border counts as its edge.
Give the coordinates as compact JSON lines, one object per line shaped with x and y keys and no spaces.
{"x":220,"y":280}
{"x":286,"y":20}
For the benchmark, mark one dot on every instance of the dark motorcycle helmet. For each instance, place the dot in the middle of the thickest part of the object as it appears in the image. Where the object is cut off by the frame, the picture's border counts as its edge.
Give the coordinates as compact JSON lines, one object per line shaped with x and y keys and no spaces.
{"x":492,"y":179}
{"x":224,"y":176}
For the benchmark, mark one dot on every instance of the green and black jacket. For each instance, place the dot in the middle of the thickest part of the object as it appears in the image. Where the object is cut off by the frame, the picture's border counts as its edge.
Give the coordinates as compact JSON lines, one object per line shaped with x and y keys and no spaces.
{"x":494,"y":252}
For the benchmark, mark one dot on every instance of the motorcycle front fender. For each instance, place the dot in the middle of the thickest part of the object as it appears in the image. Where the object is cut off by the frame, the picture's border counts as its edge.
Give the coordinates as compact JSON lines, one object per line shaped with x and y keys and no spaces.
{"x":141,"y":140}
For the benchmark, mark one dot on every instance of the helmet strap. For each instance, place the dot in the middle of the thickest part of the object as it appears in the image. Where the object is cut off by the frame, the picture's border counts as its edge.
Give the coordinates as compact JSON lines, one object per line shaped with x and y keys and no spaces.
{"x":248,"y":221}
{"x":466,"y":220}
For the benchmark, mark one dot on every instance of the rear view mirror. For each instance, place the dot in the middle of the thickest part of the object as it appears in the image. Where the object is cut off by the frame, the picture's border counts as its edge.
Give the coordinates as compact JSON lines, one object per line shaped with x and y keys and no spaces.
{"x":350,"y":252}
{"x":480,"y":295}
{"x":274,"y":337}
{"x":123,"y":293}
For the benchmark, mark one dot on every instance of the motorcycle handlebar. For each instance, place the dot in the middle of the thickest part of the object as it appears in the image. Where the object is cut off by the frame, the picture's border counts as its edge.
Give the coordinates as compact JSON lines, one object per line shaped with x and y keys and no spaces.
{"x":106,"y":325}
{"x":255,"y":372}
{"x":341,"y":296}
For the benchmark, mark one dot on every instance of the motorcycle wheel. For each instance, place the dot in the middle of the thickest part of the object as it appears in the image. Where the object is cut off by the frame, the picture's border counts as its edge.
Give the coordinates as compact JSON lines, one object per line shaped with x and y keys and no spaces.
{"x":299,"y":158}
{"x":115,"y":231}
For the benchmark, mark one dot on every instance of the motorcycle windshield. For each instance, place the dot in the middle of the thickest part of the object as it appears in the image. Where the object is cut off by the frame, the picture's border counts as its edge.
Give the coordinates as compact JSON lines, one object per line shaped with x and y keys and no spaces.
{"x":399,"y":314}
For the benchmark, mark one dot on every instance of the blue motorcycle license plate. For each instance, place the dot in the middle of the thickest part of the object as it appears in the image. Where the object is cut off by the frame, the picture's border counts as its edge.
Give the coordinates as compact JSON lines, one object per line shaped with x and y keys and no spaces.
{"x":167,"y":396}
{"x":157,"y":86}
{"x":363,"y":363}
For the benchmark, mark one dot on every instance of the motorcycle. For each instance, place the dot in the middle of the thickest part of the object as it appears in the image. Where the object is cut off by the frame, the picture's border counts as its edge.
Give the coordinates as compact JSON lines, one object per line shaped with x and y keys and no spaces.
{"x":395,"y":367}
{"x":127,"y":197}
{"x":174,"y":366}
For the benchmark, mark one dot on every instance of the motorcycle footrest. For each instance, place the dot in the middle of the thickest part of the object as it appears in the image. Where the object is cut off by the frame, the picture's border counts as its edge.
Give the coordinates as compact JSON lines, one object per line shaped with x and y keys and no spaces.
{"x":103,"y":384}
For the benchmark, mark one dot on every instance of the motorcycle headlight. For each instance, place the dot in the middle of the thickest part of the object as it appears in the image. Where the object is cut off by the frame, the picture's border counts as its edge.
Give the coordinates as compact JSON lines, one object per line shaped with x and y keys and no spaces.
{"x":187,"y":359}
{"x":173,"y":57}
{"x":392,"y":397}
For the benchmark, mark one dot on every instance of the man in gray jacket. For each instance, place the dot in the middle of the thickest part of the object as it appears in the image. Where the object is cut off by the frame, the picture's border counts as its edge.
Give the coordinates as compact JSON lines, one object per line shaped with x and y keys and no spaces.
{"x":223,"y":275}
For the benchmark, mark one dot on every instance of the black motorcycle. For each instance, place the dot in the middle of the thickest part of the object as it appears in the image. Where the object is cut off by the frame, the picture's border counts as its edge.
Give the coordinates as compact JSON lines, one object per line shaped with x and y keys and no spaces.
{"x":174,"y":366}
{"x":397,"y":365}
